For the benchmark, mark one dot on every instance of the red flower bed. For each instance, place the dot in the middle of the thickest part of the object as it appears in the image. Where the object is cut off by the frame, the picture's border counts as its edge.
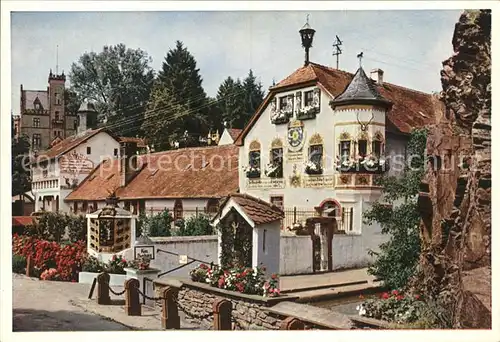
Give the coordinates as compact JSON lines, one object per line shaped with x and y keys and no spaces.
{"x":46,"y":255}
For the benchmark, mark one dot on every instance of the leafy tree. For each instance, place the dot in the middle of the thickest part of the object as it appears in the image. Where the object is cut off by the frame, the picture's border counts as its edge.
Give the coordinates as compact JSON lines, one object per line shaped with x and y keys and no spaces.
{"x":398,"y":257}
{"x":195,"y":226}
{"x":21,"y":178}
{"x":178,"y":104}
{"x":72,"y":101}
{"x":118,"y":80}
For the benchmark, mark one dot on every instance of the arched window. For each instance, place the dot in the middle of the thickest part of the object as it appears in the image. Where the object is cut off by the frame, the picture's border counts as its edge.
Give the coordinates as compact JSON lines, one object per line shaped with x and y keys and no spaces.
{"x":378,"y":145}
{"x":345,"y":146}
{"x":315,"y":164}
{"x":275,"y":167}
{"x":253,"y":169}
{"x":363,"y":145}
{"x":178,"y":212}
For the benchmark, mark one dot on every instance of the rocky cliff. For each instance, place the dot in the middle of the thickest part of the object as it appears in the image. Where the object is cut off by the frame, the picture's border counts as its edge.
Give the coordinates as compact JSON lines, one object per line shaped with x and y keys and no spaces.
{"x":455,"y":197}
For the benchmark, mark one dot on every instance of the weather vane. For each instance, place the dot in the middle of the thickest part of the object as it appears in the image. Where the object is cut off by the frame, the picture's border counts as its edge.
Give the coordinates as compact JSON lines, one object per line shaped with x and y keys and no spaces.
{"x":360,"y":57}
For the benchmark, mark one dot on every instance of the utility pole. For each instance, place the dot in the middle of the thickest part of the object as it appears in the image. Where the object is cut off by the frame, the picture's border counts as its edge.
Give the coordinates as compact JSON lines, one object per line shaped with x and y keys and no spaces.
{"x":337,"y":51}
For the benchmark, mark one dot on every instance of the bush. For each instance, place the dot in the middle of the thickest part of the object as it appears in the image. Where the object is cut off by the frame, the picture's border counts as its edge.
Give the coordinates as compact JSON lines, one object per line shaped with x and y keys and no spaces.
{"x":158,"y":224}
{"x":77,"y":228}
{"x":242,"y":279}
{"x":92,"y":264}
{"x":195,"y":226}
{"x":18,"y":263}
{"x":67,"y":259}
{"x":411,"y":311}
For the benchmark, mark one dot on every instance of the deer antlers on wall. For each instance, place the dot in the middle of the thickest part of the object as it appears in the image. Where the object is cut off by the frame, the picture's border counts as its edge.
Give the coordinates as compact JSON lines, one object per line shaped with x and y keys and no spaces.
{"x":364,"y":126}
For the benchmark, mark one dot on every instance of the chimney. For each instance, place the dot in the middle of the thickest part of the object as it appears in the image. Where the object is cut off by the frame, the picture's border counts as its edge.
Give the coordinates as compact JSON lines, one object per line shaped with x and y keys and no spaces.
{"x":128,"y":161}
{"x":378,"y":76}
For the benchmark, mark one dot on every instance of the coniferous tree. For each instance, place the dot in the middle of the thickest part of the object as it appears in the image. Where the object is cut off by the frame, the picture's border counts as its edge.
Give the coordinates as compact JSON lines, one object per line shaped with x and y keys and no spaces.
{"x":178,"y":103}
{"x":254,"y":94}
{"x":231,"y":102}
{"x":21,"y":177}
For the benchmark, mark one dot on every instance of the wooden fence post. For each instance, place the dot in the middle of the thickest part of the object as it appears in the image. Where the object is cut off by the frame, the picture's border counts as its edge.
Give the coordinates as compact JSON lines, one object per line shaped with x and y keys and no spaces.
{"x":103,"y":289}
{"x":292,"y":323}
{"x":170,"y":313}
{"x":28,"y":266}
{"x":222,"y":314}
{"x":132,"y":304}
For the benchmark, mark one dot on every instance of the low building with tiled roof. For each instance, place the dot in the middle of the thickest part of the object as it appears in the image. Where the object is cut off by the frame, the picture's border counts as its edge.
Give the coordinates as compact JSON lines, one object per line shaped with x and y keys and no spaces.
{"x":185,"y":181}
{"x":58,"y":170}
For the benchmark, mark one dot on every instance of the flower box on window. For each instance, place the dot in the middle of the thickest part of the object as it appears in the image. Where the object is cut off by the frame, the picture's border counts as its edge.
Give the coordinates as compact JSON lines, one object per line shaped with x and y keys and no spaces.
{"x":273,"y":171}
{"x":307,"y":113}
{"x":252,"y":172}
{"x":312,"y":168}
{"x":282,"y":117}
{"x":367,"y":164}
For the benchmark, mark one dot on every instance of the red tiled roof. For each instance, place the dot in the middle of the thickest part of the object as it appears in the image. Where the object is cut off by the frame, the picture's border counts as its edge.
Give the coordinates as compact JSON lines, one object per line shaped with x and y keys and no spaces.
{"x":140,"y":142}
{"x":234,"y":132}
{"x":22,"y":220}
{"x":70,"y":143}
{"x":410,"y":109}
{"x":203,"y":172}
{"x":257,"y":210}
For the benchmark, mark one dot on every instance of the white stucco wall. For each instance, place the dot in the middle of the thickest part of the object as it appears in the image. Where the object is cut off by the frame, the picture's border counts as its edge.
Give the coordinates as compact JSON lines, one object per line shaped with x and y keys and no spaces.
{"x":296,"y":255}
{"x":225,"y":138}
{"x":266,"y":247}
{"x":102,"y":146}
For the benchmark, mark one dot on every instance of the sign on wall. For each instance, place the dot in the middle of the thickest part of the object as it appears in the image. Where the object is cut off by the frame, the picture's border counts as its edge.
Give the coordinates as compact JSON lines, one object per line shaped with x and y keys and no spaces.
{"x":75,"y":162}
{"x":144,"y":251}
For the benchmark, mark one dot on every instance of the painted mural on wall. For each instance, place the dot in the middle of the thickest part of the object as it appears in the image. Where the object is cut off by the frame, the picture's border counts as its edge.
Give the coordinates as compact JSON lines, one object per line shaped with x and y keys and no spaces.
{"x":72,"y":165}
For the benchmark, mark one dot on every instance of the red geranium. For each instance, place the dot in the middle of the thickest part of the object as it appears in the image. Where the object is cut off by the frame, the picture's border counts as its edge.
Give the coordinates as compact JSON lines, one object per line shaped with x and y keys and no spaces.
{"x":395,"y":292}
{"x":384,"y":295}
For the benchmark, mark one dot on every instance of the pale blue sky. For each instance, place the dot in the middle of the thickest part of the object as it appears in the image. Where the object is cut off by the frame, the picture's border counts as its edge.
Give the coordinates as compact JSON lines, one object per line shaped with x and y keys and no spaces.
{"x":408,"y":45}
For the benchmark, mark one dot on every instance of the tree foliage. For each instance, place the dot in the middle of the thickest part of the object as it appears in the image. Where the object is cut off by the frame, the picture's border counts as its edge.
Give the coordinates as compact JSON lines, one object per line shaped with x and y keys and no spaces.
{"x":397,"y":259}
{"x":21,"y":178}
{"x":155,"y":225}
{"x":238,"y":101}
{"x":178,"y":103}
{"x":118,"y":80}
{"x":195,"y":225}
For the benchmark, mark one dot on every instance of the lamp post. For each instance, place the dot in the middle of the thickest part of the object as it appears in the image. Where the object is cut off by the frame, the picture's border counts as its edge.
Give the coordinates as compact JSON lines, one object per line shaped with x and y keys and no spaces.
{"x":307,"y":35}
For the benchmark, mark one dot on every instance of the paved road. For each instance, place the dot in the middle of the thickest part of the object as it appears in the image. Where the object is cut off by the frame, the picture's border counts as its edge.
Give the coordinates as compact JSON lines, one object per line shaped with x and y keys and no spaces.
{"x":45,"y":306}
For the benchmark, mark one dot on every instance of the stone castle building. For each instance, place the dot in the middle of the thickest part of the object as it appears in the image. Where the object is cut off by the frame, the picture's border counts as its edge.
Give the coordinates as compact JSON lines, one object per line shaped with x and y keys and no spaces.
{"x":43,"y":117}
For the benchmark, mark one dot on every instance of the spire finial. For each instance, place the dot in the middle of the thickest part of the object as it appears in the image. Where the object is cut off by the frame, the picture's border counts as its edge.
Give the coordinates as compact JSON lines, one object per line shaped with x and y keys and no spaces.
{"x":360,"y":57}
{"x":307,"y":18}
{"x":57,"y":59}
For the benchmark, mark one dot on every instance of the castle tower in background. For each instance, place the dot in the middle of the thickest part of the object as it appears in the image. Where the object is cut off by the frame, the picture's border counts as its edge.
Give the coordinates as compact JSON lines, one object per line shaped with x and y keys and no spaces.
{"x":43,"y":116}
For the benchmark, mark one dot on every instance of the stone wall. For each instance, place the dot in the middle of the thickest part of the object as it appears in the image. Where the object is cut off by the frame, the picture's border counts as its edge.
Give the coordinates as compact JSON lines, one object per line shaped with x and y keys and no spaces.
{"x":249,"y":312}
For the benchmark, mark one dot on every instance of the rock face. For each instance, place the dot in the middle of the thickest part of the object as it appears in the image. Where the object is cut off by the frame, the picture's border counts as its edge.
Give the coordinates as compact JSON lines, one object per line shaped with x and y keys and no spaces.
{"x":455,"y":197}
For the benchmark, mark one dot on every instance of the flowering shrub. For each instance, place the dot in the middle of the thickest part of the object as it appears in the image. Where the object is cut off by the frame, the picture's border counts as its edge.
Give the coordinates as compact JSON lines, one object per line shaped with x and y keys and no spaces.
{"x":252,"y":171}
{"x":313,"y":168}
{"x":368,"y":163}
{"x":117,"y":265}
{"x":242,"y":279}
{"x":393,"y":307}
{"x":50,"y":274}
{"x":92,"y":264}
{"x":45,"y":255}
{"x":141,"y":263}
